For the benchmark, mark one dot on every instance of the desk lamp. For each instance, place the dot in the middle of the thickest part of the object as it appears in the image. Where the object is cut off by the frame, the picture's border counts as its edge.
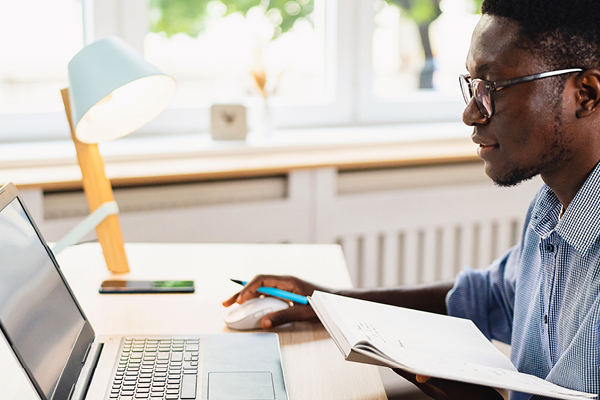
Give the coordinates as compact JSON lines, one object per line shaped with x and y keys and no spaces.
{"x":112,"y":92}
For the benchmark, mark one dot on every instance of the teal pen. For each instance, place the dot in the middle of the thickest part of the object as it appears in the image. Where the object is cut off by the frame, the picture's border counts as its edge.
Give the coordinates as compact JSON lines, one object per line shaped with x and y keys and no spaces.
{"x":296,"y":298}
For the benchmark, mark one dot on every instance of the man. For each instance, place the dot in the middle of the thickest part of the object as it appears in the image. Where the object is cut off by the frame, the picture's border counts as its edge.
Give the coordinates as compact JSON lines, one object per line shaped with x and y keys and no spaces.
{"x":542,"y":297}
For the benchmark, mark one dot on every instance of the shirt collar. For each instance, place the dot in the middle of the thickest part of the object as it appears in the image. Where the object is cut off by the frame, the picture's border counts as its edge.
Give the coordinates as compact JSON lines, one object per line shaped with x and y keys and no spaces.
{"x":580,"y":224}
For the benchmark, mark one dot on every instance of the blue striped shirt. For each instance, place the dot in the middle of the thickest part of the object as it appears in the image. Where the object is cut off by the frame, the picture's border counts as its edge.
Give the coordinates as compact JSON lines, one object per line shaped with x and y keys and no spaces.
{"x":542,"y":296}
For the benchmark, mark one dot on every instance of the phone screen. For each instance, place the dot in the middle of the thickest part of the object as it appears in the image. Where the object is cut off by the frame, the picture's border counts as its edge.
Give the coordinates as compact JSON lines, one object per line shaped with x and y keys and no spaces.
{"x":128,"y":286}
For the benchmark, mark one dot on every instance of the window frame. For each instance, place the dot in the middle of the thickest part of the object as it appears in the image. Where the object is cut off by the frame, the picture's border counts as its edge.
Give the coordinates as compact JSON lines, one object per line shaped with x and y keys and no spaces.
{"x":405,"y":108}
{"x":348,"y":30}
{"x":285,"y":116}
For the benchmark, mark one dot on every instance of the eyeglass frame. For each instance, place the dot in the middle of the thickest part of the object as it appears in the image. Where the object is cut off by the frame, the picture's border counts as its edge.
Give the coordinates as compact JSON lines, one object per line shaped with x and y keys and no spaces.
{"x":496,"y":86}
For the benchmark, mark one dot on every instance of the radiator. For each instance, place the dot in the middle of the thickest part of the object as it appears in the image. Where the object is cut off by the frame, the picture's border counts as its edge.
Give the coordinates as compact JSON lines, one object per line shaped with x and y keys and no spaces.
{"x":419,"y":225}
{"x":428,"y":254}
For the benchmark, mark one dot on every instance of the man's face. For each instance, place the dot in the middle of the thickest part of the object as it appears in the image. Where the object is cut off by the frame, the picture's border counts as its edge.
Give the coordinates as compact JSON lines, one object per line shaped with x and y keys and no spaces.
{"x":524,"y":137}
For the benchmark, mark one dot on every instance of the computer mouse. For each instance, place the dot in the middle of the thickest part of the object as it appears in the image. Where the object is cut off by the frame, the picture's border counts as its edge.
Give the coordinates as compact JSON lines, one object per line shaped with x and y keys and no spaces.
{"x":247,"y":316}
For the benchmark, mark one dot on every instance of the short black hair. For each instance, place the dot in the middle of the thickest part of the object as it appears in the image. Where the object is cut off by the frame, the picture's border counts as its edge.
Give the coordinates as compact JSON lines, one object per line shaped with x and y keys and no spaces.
{"x":563,"y":33}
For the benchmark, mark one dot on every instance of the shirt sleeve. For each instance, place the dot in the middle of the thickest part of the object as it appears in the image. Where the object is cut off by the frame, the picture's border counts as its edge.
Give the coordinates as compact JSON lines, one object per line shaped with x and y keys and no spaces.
{"x":487,"y":296}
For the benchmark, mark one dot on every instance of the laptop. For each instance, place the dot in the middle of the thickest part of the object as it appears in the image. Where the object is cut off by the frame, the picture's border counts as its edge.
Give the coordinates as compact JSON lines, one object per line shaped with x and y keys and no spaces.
{"x":55,"y":344}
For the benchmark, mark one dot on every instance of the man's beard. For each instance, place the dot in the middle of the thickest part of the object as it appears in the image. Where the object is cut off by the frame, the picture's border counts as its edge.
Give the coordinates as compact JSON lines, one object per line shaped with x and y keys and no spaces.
{"x":516,"y":176}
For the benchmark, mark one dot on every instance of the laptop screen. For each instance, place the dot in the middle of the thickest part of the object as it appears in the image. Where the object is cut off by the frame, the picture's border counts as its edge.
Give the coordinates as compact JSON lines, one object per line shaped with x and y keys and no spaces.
{"x":37,"y":312}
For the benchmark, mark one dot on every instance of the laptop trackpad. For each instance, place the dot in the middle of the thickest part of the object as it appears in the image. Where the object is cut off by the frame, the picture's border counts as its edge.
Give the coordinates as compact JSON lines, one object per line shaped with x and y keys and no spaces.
{"x":240,"y":386}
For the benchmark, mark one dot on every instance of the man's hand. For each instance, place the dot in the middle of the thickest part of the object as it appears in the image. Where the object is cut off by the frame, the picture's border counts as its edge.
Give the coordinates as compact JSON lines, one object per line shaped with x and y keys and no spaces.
{"x":292,"y":284}
{"x":442,"y":389}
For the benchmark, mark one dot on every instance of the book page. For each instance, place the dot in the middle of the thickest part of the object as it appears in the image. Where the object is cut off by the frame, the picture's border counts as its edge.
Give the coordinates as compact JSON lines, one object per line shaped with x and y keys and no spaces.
{"x":410,"y":335}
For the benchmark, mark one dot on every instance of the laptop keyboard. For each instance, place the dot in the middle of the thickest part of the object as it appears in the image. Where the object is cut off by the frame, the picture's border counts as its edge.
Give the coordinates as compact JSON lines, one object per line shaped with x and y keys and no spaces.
{"x":156,"y":369}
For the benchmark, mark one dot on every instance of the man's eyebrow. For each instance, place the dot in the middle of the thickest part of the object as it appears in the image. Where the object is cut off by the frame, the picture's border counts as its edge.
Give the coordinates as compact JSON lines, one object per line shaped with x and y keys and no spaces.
{"x":482,"y":69}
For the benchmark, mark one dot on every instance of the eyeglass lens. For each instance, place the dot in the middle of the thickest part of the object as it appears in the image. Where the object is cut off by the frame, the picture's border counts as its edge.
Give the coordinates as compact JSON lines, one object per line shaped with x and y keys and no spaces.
{"x":480,"y":91}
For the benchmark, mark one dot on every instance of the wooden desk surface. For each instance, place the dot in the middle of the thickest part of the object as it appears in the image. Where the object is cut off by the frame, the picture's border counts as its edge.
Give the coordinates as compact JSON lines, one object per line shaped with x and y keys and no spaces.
{"x":313,"y":366}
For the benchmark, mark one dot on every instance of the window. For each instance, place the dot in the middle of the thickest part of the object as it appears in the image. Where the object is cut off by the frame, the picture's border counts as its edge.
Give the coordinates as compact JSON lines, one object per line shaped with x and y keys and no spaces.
{"x":262,"y":54}
{"x":38,"y":40}
{"x":418,"y":48}
{"x":326,"y":62}
{"x":418,"y":52}
{"x":225,"y":59}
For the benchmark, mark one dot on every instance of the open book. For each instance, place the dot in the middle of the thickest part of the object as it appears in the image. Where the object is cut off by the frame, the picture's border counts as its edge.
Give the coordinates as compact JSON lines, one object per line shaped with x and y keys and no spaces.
{"x":424,"y":343}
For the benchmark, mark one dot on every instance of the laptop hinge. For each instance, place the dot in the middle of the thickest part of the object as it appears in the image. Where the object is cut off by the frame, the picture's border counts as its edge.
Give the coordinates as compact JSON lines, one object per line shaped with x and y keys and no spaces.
{"x":85,"y":377}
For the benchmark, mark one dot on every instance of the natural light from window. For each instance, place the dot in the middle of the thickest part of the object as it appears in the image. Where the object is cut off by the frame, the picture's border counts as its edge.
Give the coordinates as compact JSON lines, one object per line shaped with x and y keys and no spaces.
{"x":230,"y":52}
{"x":39,"y":38}
{"x":300,"y":63}
{"x":420,"y":49}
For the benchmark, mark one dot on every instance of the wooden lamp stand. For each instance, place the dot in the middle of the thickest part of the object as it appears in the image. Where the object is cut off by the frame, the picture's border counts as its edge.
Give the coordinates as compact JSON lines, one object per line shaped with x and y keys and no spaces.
{"x":98,"y":191}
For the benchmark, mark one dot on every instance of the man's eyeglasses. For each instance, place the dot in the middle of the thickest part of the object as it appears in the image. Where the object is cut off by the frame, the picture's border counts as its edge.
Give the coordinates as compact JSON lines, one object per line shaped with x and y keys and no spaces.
{"x":483,"y":91}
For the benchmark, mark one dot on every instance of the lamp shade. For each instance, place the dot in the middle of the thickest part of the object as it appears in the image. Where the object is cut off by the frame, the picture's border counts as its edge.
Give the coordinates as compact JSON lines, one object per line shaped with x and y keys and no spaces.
{"x":114,"y":91}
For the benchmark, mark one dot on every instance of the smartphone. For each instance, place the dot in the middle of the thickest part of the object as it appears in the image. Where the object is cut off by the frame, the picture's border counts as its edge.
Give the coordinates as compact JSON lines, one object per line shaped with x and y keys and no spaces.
{"x":127,"y":286}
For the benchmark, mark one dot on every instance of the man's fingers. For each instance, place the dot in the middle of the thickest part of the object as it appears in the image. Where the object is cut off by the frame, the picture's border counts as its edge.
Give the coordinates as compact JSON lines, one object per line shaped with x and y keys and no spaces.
{"x":412,"y":377}
{"x":237,"y":298}
{"x":230,"y":300}
{"x":280,"y":282}
{"x":294,"y":313}
{"x":249,"y":291}
{"x":445,"y":389}
{"x":245,"y":296}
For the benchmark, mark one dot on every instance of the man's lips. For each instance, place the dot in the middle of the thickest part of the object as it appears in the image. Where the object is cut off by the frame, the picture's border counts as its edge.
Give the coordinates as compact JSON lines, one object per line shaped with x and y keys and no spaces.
{"x":483,"y":142}
{"x":486,"y":145}
{"x":486,"y":149}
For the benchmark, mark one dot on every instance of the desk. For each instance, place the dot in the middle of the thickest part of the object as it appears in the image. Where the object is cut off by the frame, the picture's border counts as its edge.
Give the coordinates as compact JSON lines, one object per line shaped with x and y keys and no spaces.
{"x":313,"y":366}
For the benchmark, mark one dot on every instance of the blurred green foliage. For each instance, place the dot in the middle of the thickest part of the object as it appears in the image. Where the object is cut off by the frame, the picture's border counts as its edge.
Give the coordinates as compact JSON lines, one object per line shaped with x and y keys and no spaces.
{"x":190,"y":16}
{"x":424,"y":11}
{"x":420,"y":11}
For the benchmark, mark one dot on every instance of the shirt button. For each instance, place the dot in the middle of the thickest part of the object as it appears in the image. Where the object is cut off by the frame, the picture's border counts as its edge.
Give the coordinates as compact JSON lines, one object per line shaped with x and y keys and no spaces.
{"x":546,"y":318}
{"x":549,"y":248}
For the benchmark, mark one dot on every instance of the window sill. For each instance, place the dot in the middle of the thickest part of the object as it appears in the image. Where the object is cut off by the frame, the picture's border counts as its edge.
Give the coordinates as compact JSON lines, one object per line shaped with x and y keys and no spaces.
{"x":180,"y":158}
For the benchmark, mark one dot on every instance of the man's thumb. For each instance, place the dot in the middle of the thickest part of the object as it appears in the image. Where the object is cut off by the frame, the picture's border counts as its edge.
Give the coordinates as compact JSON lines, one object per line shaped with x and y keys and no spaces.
{"x":280,"y":317}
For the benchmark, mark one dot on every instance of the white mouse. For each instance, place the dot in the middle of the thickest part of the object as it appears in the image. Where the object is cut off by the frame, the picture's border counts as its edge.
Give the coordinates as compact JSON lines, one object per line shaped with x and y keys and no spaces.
{"x":248,"y":315}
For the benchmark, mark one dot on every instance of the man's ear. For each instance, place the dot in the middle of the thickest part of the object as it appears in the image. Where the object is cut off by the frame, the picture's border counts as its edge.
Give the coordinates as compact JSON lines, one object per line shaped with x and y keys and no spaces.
{"x":588,"y":92}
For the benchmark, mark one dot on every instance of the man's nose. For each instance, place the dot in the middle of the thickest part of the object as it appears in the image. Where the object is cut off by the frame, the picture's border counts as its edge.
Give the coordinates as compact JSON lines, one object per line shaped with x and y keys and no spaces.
{"x":472,"y":116}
